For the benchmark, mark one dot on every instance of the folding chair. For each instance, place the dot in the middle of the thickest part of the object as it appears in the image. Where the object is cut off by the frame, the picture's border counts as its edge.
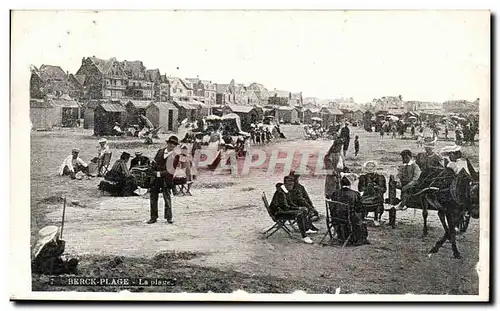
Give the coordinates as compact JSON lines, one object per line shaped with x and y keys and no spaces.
{"x":278,"y":223}
{"x":184,"y":188}
{"x":338,"y":225}
{"x":105,"y":163}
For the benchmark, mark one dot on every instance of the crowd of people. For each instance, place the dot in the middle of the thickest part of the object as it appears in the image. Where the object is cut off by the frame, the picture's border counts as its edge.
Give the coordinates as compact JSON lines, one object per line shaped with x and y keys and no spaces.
{"x":291,"y":201}
{"x":371,"y":188}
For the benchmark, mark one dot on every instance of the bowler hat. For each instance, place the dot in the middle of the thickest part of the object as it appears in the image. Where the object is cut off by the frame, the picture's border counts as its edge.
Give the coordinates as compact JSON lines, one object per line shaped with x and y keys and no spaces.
{"x":125,"y":155}
{"x":173,"y":140}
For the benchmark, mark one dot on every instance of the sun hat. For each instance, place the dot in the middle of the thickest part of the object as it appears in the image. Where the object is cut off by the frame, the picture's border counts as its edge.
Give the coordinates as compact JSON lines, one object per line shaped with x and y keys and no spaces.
{"x":449,"y":149}
{"x":75,"y":150}
{"x":370,"y":166}
{"x":45,"y":235}
{"x":138,"y":153}
{"x":103,"y":140}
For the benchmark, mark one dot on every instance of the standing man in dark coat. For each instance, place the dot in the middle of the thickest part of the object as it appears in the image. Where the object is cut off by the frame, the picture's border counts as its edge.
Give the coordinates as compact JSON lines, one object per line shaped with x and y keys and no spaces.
{"x":345,"y":135}
{"x":163,"y":168}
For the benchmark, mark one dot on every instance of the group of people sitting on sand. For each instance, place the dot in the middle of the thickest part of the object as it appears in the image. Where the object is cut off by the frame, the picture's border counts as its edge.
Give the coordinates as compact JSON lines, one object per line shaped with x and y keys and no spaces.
{"x":128,"y":176}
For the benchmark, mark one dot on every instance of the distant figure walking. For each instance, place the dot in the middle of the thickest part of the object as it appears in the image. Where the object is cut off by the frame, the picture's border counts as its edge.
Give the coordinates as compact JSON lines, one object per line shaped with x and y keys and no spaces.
{"x":356,"y":145}
{"x":345,"y":135}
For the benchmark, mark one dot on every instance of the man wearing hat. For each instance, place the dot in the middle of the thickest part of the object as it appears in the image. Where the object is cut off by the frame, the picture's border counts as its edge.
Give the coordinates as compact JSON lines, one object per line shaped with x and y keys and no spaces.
{"x":47,"y":254}
{"x":163,"y":168}
{"x":373,"y":186}
{"x":351,"y":198}
{"x":120,"y":173}
{"x":407,"y":177}
{"x":300,"y":197}
{"x":282,"y":207}
{"x":139,"y":160}
{"x":428,"y":159}
{"x":102,"y":149}
{"x":73,"y":164}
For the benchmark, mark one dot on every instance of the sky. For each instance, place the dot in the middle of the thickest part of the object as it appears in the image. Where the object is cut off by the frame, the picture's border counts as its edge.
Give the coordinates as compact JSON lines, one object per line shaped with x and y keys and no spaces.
{"x":421,"y":55}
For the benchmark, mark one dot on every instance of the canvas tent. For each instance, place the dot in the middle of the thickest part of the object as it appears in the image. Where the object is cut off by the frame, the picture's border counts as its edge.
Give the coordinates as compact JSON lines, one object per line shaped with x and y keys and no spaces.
{"x":288,"y":114}
{"x":164,"y":115}
{"x":42,"y":114}
{"x":66,"y":110}
{"x":136,"y":108}
{"x":185,"y":110}
{"x":247,"y":114}
{"x":105,"y":117}
{"x":232,"y":122}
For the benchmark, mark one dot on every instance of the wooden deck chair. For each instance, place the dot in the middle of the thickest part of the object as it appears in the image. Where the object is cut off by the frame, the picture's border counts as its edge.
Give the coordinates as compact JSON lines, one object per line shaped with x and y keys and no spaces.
{"x":105,"y":163}
{"x":336,"y":226}
{"x":278,"y":223}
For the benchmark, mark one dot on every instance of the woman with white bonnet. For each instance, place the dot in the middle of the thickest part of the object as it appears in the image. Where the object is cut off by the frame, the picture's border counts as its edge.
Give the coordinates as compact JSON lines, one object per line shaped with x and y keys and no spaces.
{"x":373,"y":186}
{"x":47,"y":254}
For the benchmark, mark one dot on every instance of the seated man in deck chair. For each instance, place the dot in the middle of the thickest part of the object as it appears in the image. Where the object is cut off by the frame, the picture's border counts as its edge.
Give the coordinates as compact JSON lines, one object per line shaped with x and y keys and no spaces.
{"x":352,"y":198}
{"x":102,"y":149}
{"x":73,"y":164}
{"x":120,"y":174}
{"x":282,"y":207}
{"x":300,"y":197}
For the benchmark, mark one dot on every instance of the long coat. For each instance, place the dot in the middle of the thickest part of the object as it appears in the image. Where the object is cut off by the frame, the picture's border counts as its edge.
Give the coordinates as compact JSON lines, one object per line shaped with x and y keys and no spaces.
{"x":166,"y":173}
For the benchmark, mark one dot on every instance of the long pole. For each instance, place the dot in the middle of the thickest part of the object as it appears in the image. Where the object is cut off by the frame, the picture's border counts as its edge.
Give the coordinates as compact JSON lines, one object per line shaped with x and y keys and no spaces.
{"x":63,"y":215}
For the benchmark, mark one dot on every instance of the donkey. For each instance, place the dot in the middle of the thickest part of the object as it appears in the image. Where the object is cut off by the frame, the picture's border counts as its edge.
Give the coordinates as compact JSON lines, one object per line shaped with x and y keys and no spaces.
{"x":453,"y":196}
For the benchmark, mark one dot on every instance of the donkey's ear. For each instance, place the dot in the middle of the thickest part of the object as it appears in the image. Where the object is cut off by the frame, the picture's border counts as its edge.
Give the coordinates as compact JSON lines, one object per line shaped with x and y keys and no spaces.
{"x":473,"y":173}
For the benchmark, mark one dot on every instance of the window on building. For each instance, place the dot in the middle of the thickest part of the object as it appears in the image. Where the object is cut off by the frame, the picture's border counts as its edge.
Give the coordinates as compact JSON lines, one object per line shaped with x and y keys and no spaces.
{"x":113,"y":93}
